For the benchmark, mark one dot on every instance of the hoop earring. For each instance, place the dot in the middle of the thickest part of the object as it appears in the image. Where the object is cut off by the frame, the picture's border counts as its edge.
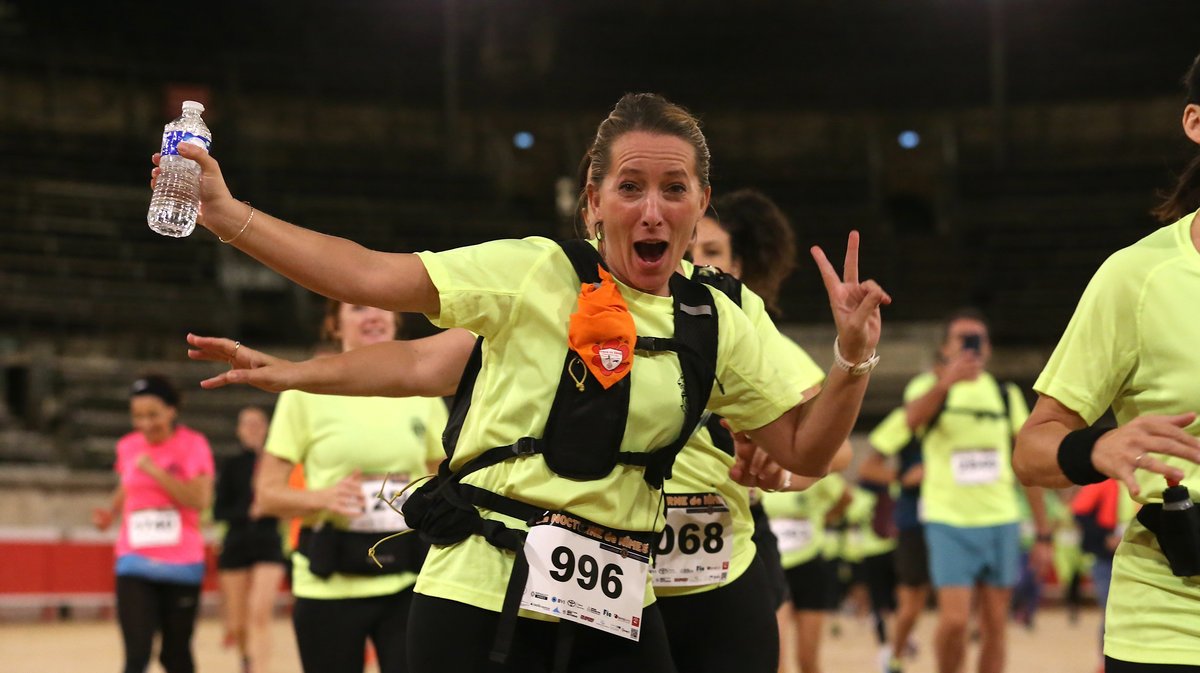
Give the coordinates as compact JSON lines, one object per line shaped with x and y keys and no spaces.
{"x":600,"y":231}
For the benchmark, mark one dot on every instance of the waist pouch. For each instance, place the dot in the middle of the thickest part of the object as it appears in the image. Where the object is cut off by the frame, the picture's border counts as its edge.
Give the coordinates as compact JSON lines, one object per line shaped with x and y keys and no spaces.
{"x":330,"y":550}
{"x":1178,"y":534}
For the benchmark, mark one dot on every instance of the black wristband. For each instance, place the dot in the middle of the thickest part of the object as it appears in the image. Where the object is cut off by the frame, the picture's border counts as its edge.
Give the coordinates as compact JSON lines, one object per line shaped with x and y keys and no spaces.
{"x":1044,"y":538}
{"x":1075,"y":456}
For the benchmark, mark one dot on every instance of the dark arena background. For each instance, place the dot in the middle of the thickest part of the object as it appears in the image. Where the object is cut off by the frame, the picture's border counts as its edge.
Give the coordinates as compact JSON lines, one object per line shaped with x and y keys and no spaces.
{"x":991,"y":152}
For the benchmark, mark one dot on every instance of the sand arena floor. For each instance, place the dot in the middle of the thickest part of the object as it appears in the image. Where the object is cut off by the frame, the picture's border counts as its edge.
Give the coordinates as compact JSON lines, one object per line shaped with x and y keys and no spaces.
{"x":1054,"y":646}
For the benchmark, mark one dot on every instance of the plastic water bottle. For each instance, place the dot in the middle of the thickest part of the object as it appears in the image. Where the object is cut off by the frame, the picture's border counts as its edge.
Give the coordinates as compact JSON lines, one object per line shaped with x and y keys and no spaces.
{"x":176,"y":199}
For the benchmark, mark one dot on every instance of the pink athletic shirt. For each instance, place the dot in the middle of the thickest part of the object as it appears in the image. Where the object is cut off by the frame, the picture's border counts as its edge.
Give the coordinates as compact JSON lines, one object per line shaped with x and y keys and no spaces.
{"x":152,"y":524}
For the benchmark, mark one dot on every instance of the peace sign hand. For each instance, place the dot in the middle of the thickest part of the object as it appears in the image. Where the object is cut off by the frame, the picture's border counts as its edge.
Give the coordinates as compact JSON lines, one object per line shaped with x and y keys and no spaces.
{"x":855,"y":304}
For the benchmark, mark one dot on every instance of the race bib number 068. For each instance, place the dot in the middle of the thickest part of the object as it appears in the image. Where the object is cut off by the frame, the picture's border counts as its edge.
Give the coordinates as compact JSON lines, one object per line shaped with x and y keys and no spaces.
{"x":587,"y":574}
{"x":696,"y":544}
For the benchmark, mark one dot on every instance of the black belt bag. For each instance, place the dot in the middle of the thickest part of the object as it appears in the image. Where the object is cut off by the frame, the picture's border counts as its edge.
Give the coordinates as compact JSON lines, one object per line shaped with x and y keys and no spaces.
{"x":1176,"y":525}
{"x":330,"y":550}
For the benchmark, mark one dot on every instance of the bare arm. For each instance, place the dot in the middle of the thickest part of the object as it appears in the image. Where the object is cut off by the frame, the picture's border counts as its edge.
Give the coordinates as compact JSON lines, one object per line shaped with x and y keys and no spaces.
{"x":966,"y":366}
{"x":429,"y":367}
{"x":102,"y":517}
{"x":841,"y":460}
{"x":1117,"y":454}
{"x":921,"y":410}
{"x":328,"y":265}
{"x":273,"y":496}
{"x":875,"y":468}
{"x":805,"y":438}
{"x":839,"y":508}
{"x":195,"y":493}
{"x":805,"y":442}
{"x":912,"y":476}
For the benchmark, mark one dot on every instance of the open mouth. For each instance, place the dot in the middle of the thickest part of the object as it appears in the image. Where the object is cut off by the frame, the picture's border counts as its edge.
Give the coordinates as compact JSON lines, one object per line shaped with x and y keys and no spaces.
{"x":650,"y":251}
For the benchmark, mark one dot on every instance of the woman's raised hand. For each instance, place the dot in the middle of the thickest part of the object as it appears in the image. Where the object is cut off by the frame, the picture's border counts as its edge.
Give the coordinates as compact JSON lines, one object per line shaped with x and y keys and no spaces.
{"x":246,"y":365}
{"x":855,"y":304}
{"x":216,"y":202}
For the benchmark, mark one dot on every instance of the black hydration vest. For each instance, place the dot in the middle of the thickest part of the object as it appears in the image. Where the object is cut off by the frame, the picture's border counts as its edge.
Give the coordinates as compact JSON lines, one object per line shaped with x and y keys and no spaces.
{"x":732,"y":287}
{"x":581,"y":439}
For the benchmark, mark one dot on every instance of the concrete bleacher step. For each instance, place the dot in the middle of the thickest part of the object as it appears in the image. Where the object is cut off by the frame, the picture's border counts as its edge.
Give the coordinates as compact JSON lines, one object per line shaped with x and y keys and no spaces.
{"x":94,"y":396}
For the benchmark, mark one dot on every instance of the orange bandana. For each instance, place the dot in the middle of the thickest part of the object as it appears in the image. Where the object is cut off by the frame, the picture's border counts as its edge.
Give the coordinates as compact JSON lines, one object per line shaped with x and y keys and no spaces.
{"x":602,"y":331}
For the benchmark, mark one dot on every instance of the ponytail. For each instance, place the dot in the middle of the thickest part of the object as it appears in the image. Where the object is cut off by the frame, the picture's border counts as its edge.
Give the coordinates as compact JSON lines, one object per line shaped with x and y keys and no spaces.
{"x":1184,"y":198}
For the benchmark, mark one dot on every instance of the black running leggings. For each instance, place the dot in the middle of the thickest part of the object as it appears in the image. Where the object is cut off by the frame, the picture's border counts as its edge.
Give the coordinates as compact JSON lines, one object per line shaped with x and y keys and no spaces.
{"x":332,"y":634}
{"x":731,"y":628}
{"x":446,"y":635}
{"x":143,"y":609}
{"x":1114,"y":666}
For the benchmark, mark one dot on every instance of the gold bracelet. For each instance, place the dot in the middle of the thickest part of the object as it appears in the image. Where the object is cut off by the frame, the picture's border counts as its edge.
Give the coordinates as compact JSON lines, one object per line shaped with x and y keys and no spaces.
{"x":241,"y":231}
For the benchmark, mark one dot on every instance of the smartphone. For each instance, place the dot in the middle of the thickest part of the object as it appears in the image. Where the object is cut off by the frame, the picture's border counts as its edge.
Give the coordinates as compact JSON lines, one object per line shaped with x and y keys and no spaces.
{"x":973,"y":342}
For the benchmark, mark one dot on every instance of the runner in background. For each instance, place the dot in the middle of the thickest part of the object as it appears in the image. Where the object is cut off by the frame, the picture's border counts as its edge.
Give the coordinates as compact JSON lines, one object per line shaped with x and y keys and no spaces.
{"x":799,"y":523}
{"x":871,"y":541}
{"x":353,"y":450}
{"x":967,"y":420}
{"x":893,"y":437}
{"x":251,"y":561}
{"x":165,"y":472}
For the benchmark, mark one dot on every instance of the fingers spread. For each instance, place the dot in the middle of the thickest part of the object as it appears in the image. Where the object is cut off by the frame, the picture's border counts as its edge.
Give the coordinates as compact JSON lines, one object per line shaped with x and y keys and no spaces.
{"x":218,"y":381}
{"x":850,"y":271}
{"x":1130,"y":482}
{"x":828,"y":275}
{"x":1151,"y":464}
{"x":870,"y":304}
{"x":1183,"y":447}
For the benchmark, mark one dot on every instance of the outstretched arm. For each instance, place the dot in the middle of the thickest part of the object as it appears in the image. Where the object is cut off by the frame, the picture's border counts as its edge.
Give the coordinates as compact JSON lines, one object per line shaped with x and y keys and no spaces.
{"x":274,"y":497}
{"x":805,"y":438}
{"x":429,"y":367}
{"x":1118,"y":453}
{"x":328,"y":265}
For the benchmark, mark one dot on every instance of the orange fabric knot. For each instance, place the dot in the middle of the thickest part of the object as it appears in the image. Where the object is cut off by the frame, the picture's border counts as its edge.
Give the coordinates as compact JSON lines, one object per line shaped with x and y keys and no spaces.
{"x":602,"y":332}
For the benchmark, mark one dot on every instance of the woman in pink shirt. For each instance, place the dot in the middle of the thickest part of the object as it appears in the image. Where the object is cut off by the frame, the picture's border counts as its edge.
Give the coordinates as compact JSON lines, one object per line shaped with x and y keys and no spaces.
{"x":166,"y":476}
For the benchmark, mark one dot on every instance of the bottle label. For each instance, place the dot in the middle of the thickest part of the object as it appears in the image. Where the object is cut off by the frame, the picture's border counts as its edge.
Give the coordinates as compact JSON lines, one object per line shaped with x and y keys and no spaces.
{"x":171,"y":140}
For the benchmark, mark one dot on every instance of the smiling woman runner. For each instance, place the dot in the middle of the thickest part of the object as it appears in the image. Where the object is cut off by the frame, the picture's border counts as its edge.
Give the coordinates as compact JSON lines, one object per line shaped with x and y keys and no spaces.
{"x":708,"y":555}
{"x":552,"y":498}
{"x":166,"y":479}
{"x":1131,"y":346}
{"x":352,"y":449}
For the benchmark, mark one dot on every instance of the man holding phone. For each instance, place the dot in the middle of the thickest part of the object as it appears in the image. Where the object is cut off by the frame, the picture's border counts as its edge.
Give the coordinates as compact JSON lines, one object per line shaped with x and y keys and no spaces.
{"x":966,"y":420}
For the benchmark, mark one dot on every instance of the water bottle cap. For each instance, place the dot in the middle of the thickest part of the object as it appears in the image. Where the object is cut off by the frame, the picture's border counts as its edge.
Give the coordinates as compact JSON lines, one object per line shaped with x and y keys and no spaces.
{"x":193,"y":105}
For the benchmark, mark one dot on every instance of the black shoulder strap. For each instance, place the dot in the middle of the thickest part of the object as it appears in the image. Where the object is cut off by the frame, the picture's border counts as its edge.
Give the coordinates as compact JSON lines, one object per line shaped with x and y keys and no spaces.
{"x":712,"y":276}
{"x":462,"y":399}
{"x":1003,"y":387}
{"x":732,"y":287}
{"x":584,"y":258}
{"x":586,"y":424}
{"x":695,"y":342}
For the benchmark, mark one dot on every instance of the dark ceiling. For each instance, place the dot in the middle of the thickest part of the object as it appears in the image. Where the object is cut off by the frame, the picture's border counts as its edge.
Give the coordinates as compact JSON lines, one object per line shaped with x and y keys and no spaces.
{"x":517,"y":54}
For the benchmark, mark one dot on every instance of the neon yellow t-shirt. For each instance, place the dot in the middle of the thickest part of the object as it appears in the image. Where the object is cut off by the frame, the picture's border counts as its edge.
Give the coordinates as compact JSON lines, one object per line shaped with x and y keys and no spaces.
{"x":1131,"y":346}
{"x":518,"y":295}
{"x":703,"y":468}
{"x":969,"y":480}
{"x":892,"y":433}
{"x":332,"y":436}
{"x":811,"y":506}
